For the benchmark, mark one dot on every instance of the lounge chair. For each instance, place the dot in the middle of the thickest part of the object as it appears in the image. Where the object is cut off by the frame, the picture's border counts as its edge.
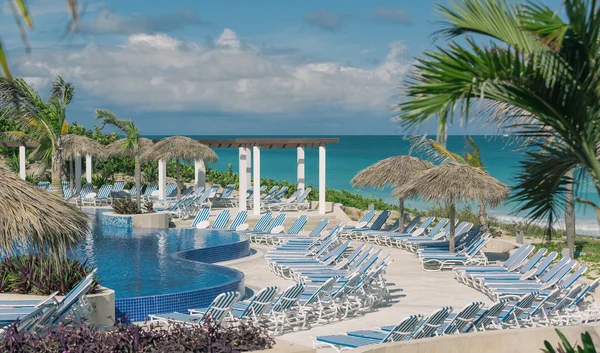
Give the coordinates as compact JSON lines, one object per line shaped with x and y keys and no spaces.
{"x":280,"y":314}
{"x":255,"y":307}
{"x":460,"y":322}
{"x":239,"y":221}
{"x":401,"y":332}
{"x":202,"y":216}
{"x":299,"y":204}
{"x":217,"y":311}
{"x":102,"y":198}
{"x":488,"y":317}
{"x":221,"y":220}
{"x":83,"y":193}
{"x":356,"y":233}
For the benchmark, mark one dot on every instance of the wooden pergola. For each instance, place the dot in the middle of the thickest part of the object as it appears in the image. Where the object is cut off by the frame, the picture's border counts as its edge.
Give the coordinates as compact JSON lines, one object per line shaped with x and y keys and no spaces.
{"x":248,"y":147}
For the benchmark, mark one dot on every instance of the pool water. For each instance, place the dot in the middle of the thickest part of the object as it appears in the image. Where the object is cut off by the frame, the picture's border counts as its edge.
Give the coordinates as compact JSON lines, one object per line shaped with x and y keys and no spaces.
{"x":145,"y":262}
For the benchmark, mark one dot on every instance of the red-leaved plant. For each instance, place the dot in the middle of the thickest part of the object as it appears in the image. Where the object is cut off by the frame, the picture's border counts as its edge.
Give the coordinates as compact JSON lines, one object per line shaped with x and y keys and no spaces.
{"x":208,"y":336}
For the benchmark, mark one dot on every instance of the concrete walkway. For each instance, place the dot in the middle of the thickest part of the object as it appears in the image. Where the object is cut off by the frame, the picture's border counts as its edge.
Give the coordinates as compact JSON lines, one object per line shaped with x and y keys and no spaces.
{"x":413,"y":291}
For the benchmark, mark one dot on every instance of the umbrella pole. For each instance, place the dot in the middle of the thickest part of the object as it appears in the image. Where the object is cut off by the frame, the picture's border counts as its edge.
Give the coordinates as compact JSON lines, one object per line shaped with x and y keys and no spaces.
{"x":70,"y":179}
{"x":452,"y":215}
{"x":178,"y":179}
{"x":401,"y":224}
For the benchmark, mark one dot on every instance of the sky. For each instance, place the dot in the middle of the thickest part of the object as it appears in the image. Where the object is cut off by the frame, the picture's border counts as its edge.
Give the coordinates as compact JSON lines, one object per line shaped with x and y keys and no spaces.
{"x":232,"y":67}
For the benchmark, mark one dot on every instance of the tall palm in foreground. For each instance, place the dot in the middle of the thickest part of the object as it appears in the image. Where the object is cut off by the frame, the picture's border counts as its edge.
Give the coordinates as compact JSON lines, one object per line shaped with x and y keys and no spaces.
{"x":43,"y":121}
{"x":131,"y":142}
{"x":538,"y":76}
{"x":438,"y":152}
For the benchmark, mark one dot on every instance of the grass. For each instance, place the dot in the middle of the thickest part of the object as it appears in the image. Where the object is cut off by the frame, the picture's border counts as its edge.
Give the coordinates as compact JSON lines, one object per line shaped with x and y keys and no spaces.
{"x":587,"y":251}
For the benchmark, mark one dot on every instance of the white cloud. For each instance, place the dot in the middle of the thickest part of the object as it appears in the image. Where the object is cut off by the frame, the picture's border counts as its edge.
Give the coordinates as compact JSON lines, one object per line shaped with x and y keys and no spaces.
{"x":160,"y":73}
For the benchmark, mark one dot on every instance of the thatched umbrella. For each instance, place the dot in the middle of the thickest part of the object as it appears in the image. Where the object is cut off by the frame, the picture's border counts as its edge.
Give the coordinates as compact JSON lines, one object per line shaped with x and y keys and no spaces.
{"x":181,"y":148}
{"x":455,"y":182}
{"x":394,"y":171}
{"x":73,"y":146}
{"x":39,"y":218}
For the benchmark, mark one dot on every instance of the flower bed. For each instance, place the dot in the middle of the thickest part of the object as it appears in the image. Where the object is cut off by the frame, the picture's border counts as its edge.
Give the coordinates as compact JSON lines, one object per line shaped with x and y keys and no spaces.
{"x":174,"y":337}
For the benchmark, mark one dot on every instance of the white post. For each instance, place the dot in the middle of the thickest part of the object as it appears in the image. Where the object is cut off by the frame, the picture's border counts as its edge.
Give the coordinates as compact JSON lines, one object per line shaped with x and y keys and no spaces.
{"x":22,"y":169}
{"x":248,"y":166}
{"x":322,"y":179}
{"x":77,"y":173}
{"x":300,"y":171}
{"x":200,"y":173}
{"x":256,"y":193}
{"x":162,"y":179}
{"x":243,"y":178}
{"x":88,"y":168}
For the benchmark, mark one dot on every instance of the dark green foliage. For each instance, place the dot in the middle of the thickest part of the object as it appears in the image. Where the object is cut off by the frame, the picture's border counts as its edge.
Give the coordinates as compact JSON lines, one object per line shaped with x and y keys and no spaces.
{"x":42,"y":274}
{"x":126,"y":206}
{"x":565,"y":346}
{"x":173,"y":337}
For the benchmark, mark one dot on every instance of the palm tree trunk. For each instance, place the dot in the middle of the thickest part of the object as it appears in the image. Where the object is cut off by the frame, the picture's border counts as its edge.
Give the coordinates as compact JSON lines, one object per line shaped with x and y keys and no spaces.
{"x":401,"y":224}
{"x":483,"y":216}
{"x":56,"y":173}
{"x":452,"y":215}
{"x":178,"y":179}
{"x":570,"y":215}
{"x":138,"y":180}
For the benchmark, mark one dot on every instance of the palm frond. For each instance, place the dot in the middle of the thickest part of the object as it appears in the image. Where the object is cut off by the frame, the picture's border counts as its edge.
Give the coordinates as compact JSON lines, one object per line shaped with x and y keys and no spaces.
{"x":472,"y":154}
{"x":62,"y":90}
{"x":496,"y":19}
{"x":433,"y":149}
{"x":4,"y":63}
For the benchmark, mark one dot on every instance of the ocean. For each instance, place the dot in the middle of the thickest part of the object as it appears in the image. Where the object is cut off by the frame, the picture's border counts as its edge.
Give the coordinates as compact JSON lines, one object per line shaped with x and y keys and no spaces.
{"x":353,"y":153}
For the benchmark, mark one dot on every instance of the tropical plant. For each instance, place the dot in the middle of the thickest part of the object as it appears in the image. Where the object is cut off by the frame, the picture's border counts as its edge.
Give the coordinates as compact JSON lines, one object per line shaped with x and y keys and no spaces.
{"x":40,"y":121}
{"x":126,"y":206}
{"x":23,"y":19}
{"x":131,"y":142}
{"x":42,"y":274}
{"x":438,"y":152}
{"x":537,"y":77}
{"x":566,"y":347}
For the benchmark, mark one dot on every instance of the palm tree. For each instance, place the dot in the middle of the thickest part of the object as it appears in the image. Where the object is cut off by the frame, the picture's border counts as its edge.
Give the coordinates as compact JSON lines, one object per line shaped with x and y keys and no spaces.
{"x":131,"y":142}
{"x":440,"y":153}
{"x":41,"y":121}
{"x":538,"y":76}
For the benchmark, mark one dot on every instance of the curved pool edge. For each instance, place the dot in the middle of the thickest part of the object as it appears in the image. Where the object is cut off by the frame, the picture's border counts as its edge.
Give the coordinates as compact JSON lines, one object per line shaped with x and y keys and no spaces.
{"x":137,"y":309}
{"x":217,"y":253}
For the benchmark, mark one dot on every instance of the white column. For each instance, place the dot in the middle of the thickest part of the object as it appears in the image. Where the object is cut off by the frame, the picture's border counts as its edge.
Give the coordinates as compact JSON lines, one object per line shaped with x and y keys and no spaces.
{"x":77,"y":173}
{"x":256,"y":193}
{"x":88,"y":168}
{"x":243,"y":178}
{"x":22,"y":169}
{"x":300,"y":172}
{"x":162,"y":179}
{"x":322,"y":173}
{"x":200,"y":173}
{"x":248,"y":166}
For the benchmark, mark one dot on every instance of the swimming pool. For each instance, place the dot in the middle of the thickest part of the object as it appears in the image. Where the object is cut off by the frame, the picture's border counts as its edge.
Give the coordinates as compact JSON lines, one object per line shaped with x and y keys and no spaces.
{"x":163,"y":270}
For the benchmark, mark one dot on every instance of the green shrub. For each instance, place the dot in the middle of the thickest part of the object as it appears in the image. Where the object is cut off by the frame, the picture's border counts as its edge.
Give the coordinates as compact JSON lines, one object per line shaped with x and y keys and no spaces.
{"x":565,"y":346}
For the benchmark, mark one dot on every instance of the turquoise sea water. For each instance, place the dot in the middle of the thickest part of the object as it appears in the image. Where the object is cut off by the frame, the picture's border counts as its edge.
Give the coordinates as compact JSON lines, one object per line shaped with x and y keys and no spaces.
{"x":353,"y":153}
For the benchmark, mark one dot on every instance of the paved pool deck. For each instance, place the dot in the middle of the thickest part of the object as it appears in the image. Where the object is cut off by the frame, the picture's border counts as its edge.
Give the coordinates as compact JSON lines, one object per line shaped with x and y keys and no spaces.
{"x":413,"y":291}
